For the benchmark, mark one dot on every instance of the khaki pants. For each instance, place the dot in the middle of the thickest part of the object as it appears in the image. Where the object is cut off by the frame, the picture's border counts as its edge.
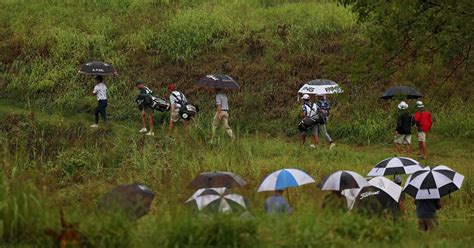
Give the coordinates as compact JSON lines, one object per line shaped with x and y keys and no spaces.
{"x":224,"y":119}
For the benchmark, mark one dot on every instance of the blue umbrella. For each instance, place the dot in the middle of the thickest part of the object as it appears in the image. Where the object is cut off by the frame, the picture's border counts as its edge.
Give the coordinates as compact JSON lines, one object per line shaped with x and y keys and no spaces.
{"x":285,"y":178}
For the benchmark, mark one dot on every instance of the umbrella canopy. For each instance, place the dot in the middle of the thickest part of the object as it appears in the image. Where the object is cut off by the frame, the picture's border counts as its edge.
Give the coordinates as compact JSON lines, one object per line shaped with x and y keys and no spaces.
{"x":395,"y":166}
{"x":320,"y":87}
{"x":341,"y":180}
{"x":134,"y":199}
{"x":216,"y":180}
{"x":409,"y":92}
{"x":433,"y":183}
{"x":218,"y":82}
{"x":285,"y":178}
{"x":98,"y":68}
{"x":217,"y":200}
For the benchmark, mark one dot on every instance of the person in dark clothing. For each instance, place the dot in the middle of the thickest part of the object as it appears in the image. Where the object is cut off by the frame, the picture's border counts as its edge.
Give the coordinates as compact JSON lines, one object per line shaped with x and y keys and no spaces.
{"x":100,"y":91}
{"x":146,"y":110}
{"x":426,"y":213}
{"x":403,"y":129}
{"x":335,"y":202}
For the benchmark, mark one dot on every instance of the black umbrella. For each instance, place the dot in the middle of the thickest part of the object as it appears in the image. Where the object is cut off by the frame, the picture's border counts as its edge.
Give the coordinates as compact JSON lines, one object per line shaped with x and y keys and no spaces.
{"x":218,"y":82}
{"x":98,"y":68}
{"x":409,"y":92}
{"x":216,"y":180}
{"x":133,"y":199}
{"x":321,"y":82}
{"x":374,"y":200}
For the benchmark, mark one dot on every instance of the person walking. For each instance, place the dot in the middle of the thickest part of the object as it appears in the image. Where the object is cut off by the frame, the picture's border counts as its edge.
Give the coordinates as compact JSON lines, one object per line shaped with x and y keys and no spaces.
{"x":426,"y":213}
{"x":423,"y":122}
{"x":177,"y":100}
{"x":403,"y":129}
{"x":323,"y":108}
{"x":309,"y":110}
{"x":276,"y":204}
{"x":100,"y":91}
{"x":222,"y":114}
{"x":145,"y":96}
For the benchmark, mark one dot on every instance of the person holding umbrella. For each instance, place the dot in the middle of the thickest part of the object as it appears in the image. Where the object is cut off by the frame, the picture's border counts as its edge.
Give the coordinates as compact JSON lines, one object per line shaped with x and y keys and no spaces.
{"x":276,"y":204}
{"x":146,"y":110}
{"x":222,"y":114}
{"x":323,"y":108}
{"x":309,"y":110}
{"x":100,"y":91}
{"x":403,"y":129}
{"x":423,"y":122}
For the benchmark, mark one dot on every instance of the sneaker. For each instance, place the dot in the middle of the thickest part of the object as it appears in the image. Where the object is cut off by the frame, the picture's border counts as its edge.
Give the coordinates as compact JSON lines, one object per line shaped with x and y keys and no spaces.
{"x":150,"y":133}
{"x":94,"y":126}
{"x":143,"y":130}
{"x":332,"y":146}
{"x":312,"y":146}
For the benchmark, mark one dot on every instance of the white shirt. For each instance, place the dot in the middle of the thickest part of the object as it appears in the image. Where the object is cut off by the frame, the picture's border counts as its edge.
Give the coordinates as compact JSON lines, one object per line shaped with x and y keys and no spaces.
{"x":174,"y":101}
{"x":100,"y":91}
{"x":310,"y":111}
{"x":221,"y":99}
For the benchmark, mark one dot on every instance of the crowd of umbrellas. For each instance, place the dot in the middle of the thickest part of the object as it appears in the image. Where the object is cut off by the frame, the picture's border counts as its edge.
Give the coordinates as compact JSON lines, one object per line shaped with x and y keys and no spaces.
{"x":213,"y":190}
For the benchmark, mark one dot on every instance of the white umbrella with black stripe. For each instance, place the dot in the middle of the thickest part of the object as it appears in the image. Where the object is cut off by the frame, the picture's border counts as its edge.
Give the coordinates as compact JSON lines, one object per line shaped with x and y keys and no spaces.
{"x":218,"y":200}
{"x":433,"y":183}
{"x":341,"y":180}
{"x":395,"y":166}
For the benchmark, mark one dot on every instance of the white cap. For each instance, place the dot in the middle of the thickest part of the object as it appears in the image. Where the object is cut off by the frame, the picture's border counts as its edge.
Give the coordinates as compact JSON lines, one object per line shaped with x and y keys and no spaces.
{"x":419,"y":104}
{"x":305,"y":97}
{"x":402,"y":105}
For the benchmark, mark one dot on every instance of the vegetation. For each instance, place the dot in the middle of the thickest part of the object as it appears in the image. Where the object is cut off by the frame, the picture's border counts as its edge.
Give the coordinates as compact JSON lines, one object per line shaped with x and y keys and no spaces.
{"x":51,"y":160}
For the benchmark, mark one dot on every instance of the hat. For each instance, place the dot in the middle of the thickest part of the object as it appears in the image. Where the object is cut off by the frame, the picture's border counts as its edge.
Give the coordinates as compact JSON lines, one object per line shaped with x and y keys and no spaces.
{"x":305,"y":97}
{"x":139,"y":81}
{"x":171,"y":87}
{"x":397,"y":179}
{"x":419,"y":104}
{"x":403,"y":105}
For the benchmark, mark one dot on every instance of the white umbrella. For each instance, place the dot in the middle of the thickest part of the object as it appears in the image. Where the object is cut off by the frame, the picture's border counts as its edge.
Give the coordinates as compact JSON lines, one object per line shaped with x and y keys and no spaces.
{"x":341,"y":180}
{"x":395,"y":166}
{"x":207,"y":196}
{"x":320,"y":87}
{"x":392,"y":189}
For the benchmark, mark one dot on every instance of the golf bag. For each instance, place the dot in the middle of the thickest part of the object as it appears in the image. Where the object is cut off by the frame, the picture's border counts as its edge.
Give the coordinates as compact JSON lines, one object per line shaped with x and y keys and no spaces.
{"x":143,"y":101}
{"x":307,"y":123}
{"x":186,"y":110}
{"x":159,"y":104}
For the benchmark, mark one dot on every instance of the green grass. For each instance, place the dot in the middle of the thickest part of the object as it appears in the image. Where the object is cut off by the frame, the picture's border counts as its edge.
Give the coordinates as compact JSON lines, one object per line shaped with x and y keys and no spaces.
{"x":60,"y":162}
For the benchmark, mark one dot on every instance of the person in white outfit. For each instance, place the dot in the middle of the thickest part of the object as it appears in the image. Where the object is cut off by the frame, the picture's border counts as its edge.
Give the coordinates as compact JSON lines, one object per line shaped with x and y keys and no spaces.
{"x":177,"y":99}
{"x":100,"y":91}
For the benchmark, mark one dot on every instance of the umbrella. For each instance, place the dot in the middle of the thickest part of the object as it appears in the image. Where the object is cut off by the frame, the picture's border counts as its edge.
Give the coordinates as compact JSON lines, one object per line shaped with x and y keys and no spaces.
{"x":97,"y":68}
{"x":285,"y":178}
{"x":409,"y":92}
{"x":320,"y":87}
{"x":381,"y":194}
{"x":218,"y":82}
{"x":217,"y":199}
{"x":341,"y":180}
{"x":395,"y":166}
{"x":134,"y":199}
{"x":216,"y":180}
{"x":433,"y":183}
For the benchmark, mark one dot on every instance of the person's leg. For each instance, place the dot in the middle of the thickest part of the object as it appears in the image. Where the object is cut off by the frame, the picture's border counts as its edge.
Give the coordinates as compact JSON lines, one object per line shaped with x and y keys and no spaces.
{"x":103,"y":113}
{"x":143,"y":119}
{"x":215,"y":123}
{"x":150,"y":121}
{"x":407,"y":141}
{"x":324,"y":132}
{"x":397,"y":141}
{"x":303,"y":138}
{"x":422,"y":224}
{"x":315,"y":132}
{"x":225,"y":123}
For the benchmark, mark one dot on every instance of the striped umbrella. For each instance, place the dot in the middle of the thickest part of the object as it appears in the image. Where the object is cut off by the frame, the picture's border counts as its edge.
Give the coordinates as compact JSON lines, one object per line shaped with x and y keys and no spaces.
{"x":395,"y":166}
{"x":218,"y":200}
{"x":341,"y":180}
{"x":433,"y":183}
{"x":285,"y":178}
